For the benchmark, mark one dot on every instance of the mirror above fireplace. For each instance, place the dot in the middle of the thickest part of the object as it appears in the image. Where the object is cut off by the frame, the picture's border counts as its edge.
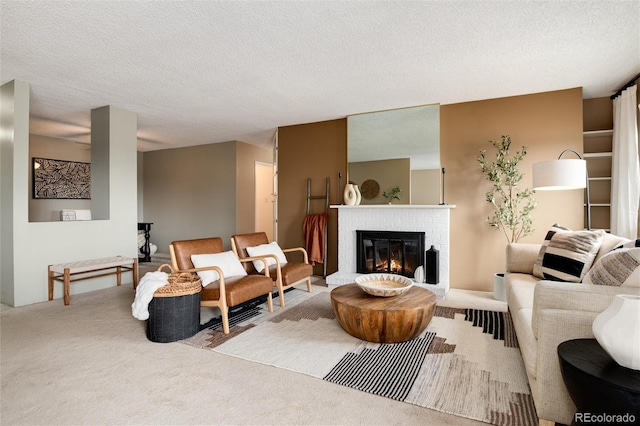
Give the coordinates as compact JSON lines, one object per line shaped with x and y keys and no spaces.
{"x":399,"y":147}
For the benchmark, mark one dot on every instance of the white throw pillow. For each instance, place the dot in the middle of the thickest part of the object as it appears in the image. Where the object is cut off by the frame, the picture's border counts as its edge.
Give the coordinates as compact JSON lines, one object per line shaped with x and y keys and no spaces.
{"x":227,"y":261}
{"x":264,"y":249}
{"x":630,"y":244}
{"x":620,"y":267}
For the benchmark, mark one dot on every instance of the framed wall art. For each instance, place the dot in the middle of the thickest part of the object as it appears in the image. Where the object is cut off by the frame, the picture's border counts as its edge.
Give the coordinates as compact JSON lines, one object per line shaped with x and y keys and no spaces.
{"x":60,"y":179}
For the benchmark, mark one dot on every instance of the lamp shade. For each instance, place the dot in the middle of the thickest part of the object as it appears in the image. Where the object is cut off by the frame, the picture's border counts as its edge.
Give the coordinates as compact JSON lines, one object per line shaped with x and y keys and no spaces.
{"x":560,"y":174}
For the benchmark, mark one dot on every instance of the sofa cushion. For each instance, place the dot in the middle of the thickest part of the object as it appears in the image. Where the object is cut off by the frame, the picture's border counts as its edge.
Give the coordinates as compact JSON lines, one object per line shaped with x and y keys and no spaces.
{"x":537,"y":266}
{"x":569,"y":255}
{"x":526,"y":341}
{"x":620,"y":267}
{"x":610,"y":242}
{"x":631,"y":244}
{"x":514,"y":280}
{"x":521,"y":296}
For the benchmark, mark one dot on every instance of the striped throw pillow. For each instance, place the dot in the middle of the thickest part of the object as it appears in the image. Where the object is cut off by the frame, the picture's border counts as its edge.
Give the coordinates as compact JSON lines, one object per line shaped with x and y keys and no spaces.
{"x":630,"y":244}
{"x":620,"y":267}
{"x":537,"y":266}
{"x":569,"y":255}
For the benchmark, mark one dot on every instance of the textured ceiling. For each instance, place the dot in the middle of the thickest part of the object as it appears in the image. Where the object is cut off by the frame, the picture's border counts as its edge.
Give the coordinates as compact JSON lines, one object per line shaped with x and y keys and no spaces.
{"x":204,"y":72}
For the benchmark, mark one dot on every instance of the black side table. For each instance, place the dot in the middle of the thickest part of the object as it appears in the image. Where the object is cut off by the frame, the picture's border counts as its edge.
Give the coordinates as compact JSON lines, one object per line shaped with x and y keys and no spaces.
{"x":146,"y":250}
{"x":600,"y":388}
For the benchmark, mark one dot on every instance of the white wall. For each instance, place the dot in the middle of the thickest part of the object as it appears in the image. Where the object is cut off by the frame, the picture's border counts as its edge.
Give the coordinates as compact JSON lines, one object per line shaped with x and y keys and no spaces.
{"x":34,"y":246}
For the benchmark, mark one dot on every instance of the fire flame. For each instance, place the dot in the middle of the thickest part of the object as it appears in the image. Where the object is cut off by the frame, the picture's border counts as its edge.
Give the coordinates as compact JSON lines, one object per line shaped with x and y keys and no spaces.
{"x":396,"y":266}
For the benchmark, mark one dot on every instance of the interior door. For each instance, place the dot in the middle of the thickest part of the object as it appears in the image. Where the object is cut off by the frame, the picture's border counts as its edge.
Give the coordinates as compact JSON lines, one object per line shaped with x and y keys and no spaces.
{"x":265,"y":217}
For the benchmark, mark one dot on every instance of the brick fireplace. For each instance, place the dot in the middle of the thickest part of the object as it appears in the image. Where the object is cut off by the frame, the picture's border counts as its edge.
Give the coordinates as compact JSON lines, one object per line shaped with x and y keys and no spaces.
{"x":432,"y":220}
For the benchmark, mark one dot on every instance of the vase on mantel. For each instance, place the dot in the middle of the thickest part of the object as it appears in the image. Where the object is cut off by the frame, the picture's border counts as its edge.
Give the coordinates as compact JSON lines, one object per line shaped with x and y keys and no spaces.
{"x":617,"y":330}
{"x":358,"y":194}
{"x":349,"y":195}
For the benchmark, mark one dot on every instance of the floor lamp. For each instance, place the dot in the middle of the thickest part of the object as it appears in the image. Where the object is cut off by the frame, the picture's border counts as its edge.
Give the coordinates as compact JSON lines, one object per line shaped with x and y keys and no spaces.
{"x":563,"y":174}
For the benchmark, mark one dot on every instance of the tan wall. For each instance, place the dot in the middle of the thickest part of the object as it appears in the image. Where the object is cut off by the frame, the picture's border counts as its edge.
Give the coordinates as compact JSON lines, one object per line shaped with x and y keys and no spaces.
{"x":546,"y":123}
{"x":425,"y":187}
{"x":597,"y":114}
{"x":388,"y":173}
{"x":316,"y":151}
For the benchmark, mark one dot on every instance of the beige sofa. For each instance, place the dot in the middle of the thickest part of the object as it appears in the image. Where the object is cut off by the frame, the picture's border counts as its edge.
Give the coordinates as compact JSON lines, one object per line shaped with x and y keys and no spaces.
{"x":547,"y":313}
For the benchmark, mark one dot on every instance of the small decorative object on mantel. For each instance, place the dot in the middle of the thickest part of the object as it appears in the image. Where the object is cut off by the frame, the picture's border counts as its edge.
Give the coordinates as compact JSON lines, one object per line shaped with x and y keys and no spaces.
{"x":394,"y":194}
{"x":370,"y":189}
{"x":349,"y":195}
{"x":358,"y":194}
{"x":617,"y":329}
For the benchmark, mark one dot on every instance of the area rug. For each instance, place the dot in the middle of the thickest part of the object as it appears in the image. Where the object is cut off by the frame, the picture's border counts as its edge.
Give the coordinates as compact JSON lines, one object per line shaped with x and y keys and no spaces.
{"x":466,"y":363}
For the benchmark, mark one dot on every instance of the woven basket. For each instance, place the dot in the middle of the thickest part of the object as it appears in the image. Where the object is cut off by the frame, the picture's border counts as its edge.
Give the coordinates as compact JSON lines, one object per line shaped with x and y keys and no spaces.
{"x":174,"y":311}
{"x":179,"y":284}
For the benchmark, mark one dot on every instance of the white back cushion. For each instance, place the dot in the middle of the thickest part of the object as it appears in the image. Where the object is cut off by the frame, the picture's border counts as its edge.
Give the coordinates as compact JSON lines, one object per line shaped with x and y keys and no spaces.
{"x":264,"y":249}
{"x":227,"y":261}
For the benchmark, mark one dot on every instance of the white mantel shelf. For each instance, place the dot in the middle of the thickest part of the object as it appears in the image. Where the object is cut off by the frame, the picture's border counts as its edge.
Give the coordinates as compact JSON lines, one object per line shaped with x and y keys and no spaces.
{"x":394,"y":206}
{"x":433,"y":220}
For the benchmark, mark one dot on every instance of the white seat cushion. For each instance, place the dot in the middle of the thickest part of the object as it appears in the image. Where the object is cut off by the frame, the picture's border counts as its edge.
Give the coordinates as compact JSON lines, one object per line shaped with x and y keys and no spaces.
{"x":521,"y":297}
{"x":526,"y":340}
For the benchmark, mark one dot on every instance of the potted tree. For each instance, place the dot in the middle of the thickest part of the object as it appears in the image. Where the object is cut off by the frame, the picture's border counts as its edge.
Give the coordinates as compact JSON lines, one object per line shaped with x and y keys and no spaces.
{"x":512,"y":206}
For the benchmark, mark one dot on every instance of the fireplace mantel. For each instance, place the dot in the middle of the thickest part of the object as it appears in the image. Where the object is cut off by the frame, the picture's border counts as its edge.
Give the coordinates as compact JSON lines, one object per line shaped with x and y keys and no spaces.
{"x":433,"y":220}
{"x":395,"y":206}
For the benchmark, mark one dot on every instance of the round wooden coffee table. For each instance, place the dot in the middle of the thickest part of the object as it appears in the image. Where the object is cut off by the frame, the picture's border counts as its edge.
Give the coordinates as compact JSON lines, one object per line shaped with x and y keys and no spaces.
{"x":383,"y":319}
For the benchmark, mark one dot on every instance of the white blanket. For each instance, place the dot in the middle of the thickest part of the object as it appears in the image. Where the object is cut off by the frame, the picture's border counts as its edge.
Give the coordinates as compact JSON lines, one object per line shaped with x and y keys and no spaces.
{"x":144,"y":293}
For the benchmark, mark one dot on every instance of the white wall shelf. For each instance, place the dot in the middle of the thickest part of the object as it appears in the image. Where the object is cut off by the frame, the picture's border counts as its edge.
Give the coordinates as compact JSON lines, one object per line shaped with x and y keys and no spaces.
{"x":597,"y":148}
{"x":597,"y":133}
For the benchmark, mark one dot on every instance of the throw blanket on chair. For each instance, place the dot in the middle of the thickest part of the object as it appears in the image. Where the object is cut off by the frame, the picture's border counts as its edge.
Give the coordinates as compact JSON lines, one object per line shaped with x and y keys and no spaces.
{"x":314,"y":229}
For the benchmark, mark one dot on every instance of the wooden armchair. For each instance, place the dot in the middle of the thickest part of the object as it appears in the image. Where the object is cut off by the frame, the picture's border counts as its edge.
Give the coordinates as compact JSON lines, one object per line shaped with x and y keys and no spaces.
{"x":283,"y":275}
{"x":224,"y":292}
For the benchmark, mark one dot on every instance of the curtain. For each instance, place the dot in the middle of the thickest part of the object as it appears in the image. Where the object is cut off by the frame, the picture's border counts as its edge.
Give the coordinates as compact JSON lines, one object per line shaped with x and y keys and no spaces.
{"x":625,"y":173}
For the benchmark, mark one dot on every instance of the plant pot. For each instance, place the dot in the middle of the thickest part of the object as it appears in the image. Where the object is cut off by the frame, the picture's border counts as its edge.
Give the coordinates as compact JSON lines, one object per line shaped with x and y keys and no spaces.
{"x":499,"y":290}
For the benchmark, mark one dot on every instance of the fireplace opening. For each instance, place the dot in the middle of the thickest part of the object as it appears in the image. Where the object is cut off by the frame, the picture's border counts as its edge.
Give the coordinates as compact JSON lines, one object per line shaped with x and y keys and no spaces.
{"x":389,"y":252}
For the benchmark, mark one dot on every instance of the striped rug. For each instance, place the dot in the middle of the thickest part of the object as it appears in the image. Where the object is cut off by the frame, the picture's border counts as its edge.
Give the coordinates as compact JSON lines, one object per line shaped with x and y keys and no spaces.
{"x":466,"y":363}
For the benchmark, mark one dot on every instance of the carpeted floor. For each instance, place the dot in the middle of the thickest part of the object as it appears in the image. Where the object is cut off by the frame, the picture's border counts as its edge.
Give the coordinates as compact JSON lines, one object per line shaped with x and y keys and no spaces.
{"x":466,"y":363}
{"x":91,"y":363}
{"x":157,"y":260}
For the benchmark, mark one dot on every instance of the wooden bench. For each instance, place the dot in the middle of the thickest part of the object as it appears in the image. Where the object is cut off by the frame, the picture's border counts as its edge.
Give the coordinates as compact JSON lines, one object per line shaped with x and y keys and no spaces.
{"x":86,"y":269}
